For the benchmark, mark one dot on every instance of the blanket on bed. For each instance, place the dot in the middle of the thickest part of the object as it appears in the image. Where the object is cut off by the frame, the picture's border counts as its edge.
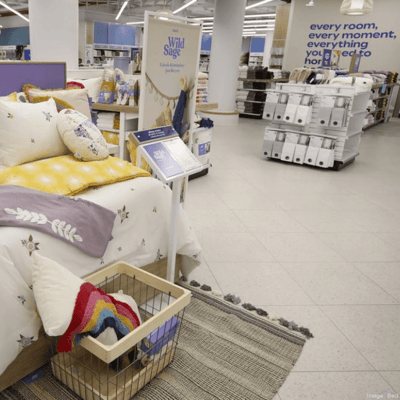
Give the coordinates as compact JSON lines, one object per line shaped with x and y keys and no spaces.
{"x":79,"y":222}
{"x":69,"y":176}
{"x":94,"y":312}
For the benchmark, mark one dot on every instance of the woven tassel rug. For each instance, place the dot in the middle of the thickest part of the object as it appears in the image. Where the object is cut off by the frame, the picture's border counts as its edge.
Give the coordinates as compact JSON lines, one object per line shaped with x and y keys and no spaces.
{"x":224,"y":352}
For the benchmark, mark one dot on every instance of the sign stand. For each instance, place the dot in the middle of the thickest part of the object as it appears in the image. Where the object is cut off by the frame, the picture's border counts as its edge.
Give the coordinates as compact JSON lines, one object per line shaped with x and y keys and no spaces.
{"x":171,"y":160}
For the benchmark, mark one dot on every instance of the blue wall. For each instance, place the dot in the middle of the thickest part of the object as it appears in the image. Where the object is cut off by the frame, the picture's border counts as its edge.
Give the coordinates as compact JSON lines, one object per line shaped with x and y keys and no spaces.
{"x":257,"y":45}
{"x":206,"y":43}
{"x":107,"y":33}
{"x":14,"y":36}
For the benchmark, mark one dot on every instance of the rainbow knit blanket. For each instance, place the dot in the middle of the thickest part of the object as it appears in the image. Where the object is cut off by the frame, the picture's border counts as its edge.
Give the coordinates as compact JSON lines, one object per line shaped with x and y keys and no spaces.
{"x":95,"y":311}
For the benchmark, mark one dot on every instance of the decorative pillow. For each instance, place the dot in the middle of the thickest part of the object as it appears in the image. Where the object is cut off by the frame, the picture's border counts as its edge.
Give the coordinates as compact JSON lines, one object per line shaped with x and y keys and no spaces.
{"x":10,"y":97}
{"x":60,"y":104}
{"x":21,"y":97}
{"x":93,"y":87}
{"x":77,"y":98}
{"x":55,"y":289}
{"x":81,"y":136}
{"x":29,"y":132}
{"x":75,"y":85}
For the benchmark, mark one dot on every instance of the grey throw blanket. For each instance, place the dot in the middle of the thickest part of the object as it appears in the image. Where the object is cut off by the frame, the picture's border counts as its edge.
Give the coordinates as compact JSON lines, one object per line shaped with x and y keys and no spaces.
{"x":79,"y":222}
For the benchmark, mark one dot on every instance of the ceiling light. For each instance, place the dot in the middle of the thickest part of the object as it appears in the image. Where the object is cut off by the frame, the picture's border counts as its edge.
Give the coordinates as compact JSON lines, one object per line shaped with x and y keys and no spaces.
{"x":122,"y":9}
{"x":135,"y":23}
{"x":184,"y":6}
{"x":260,"y":15}
{"x":356,"y":7}
{"x":14,"y":11}
{"x":258,"y":4}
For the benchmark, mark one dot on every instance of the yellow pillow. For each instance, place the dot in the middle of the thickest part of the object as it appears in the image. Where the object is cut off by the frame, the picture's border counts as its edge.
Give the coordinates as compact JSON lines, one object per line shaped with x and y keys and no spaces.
{"x":60,"y":104}
{"x":68,"y":176}
{"x":10,"y":97}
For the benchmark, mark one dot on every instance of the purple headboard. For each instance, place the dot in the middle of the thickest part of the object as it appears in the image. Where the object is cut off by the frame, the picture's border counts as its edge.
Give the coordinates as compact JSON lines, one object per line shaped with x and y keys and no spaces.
{"x":46,"y":75}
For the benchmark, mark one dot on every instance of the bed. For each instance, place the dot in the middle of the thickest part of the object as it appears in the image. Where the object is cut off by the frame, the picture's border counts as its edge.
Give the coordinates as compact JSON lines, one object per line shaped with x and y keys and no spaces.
{"x":139,"y":235}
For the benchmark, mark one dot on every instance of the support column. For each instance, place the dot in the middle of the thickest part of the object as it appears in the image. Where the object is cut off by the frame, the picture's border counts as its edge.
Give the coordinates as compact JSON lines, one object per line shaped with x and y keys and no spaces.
{"x":54,"y":31}
{"x":269,"y":36}
{"x":225,"y":57}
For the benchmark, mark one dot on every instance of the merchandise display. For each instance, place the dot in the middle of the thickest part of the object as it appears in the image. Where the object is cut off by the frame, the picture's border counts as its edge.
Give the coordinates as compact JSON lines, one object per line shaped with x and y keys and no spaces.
{"x":202,"y":88}
{"x":321,"y":127}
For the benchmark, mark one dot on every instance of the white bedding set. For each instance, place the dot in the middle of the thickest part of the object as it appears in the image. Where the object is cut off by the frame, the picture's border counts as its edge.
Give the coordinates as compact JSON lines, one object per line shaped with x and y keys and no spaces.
{"x":140,"y":237}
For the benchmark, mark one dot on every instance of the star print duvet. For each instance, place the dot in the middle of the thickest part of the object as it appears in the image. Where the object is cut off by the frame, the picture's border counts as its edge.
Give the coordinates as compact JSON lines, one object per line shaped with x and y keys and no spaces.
{"x":139,"y":236}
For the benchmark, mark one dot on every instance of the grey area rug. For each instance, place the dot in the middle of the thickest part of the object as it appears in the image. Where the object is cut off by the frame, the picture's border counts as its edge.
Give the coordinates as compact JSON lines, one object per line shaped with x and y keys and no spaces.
{"x":224,"y":352}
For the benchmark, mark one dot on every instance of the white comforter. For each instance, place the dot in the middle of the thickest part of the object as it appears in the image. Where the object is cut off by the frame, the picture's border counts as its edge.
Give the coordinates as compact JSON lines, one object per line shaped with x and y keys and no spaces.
{"x":140,"y":237}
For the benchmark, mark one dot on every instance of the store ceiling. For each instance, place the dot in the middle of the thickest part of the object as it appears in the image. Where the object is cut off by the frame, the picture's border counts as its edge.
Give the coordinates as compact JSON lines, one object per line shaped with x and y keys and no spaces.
{"x":136,"y":8}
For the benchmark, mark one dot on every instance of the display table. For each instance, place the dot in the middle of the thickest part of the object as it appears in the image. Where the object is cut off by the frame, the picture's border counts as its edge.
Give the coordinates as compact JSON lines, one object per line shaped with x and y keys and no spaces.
{"x":128,"y":113}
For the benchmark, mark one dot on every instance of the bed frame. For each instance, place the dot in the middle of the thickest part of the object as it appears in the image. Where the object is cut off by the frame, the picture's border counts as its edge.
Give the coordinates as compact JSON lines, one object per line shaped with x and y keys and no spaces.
{"x":38,"y":353}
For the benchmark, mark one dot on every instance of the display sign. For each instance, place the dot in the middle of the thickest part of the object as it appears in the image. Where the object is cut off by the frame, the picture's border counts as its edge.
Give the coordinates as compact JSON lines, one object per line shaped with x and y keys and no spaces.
{"x":171,"y":53}
{"x":206,"y":44}
{"x":152,"y":135}
{"x":257,"y":46}
{"x":326,"y":58}
{"x":170,"y":158}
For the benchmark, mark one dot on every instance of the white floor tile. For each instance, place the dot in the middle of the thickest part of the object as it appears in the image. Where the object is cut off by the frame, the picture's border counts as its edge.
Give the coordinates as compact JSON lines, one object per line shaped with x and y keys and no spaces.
{"x":360,"y":205}
{"x":232,"y":247}
{"x":363,"y":247}
{"x":204,"y":201}
{"x":251,"y":199}
{"x":333,"y":386}
{"x":374,"y":331}
{"x":392,"y":238}
{"x":340,"y":283}
{"x":386,"y":275}
{"x":262,"y":283}
{"x":329,"y":350}
{"x":215,"y":221}
{"x":325,"y":221}
{"x":204,"y":276}
{"x":298,"y":247}
{"x":269,"y":221}
{"x":393,"y":378}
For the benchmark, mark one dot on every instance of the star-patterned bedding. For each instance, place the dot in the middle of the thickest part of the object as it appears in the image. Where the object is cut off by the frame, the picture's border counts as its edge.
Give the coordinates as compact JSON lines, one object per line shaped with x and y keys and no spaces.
{"x":140,"y":237}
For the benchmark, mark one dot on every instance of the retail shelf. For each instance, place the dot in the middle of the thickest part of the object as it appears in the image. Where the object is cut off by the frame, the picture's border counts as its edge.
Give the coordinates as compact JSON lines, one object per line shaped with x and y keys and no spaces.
{"x":375,"y":111}
{"x":250,"y":101}
{"x":243,"y":113}
{"x":264,"y":80}
{"x":107,"y":129}
{"x":252,"y":90}
{"x":348,"y":155}
{"x":379,"y":85}
{"x":379,"y":98}
{"x":277,"y":55}
{"x":201,"y":95}
{"x":206,"y":106}
{"x":351,"y":134}
{"x":373,"y":124}
{"x":201,"y":87}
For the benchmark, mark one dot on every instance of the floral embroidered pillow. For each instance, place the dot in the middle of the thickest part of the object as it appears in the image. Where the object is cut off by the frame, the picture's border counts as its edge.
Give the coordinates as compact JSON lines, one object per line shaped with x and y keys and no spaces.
{"x":28,"y":132}
{"x":81,"y":136}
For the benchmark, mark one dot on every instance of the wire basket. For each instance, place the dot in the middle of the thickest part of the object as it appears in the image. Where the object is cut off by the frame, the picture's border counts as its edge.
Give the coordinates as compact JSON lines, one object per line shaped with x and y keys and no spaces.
{"x":95,"y":371}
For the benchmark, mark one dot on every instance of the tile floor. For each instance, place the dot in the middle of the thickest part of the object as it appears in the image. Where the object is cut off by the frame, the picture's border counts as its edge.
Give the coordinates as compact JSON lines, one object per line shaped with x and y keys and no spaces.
{"x":318,"y":247}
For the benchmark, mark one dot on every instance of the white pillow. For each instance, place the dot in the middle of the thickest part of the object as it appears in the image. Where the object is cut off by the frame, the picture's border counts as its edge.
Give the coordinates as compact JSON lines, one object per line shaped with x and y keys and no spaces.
{"x":93,"y":86}
{"x":55,"y":289}
{"x":81,"y":136}
{"x":29,"y":132}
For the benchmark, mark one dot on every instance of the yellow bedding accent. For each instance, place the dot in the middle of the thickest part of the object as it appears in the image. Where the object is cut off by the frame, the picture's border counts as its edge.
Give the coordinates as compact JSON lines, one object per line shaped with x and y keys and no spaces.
{"x":68,"y":176}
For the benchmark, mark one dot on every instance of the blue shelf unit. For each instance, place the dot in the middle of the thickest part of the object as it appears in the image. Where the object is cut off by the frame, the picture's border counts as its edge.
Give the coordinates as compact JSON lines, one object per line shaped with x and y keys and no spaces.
{"x":113,"y":34}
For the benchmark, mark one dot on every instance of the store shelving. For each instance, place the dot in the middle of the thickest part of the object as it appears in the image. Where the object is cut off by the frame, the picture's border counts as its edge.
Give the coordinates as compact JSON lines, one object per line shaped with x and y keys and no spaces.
{"x":346,"y":137}
{"x":385,"y":93}
{"x":267,"y":83}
